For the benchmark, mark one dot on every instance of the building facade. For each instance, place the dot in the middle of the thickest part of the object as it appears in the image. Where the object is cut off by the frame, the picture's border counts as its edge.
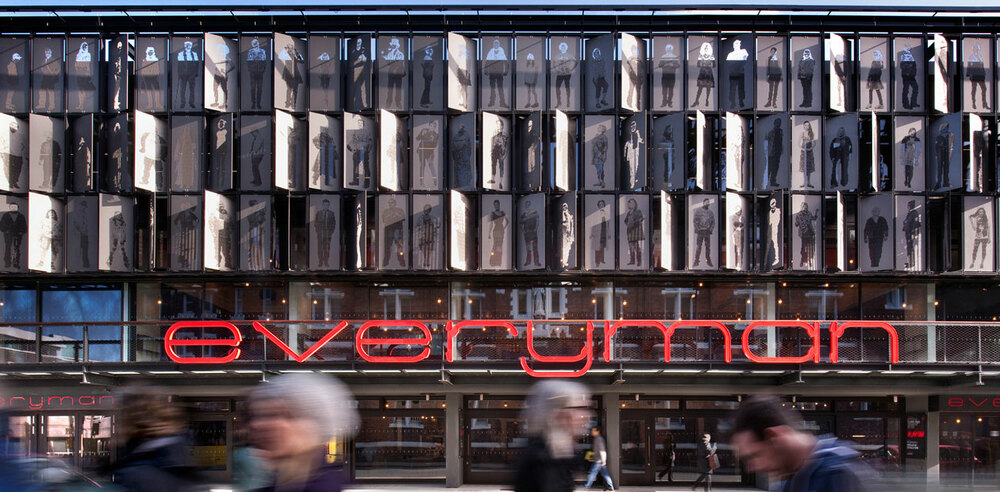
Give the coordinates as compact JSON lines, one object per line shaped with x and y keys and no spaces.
{"x":681,"y":209}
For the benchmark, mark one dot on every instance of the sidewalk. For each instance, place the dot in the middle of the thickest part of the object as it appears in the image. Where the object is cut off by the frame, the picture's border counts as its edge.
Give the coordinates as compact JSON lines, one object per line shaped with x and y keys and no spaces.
{"x":495,"y":488}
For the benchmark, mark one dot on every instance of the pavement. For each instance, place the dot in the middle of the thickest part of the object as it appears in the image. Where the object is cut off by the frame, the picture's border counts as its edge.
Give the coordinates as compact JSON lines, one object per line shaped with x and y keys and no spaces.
{"x":494,"y":488}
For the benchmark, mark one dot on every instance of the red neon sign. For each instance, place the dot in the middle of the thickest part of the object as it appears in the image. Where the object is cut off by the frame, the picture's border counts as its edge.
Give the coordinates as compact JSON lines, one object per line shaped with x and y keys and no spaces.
{"x":365,"y":339}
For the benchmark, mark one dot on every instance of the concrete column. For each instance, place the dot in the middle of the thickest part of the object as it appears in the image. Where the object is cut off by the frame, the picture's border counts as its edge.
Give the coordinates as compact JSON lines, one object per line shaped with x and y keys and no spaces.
{"x":452,"y":440}
{"x":612,"y":429}
{"x":931,"y":464}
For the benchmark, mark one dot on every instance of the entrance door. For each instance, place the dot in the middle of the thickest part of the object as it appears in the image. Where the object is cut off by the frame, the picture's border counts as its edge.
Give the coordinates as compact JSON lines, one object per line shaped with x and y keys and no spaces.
{"x":80,"y":440}
{"x":647,"y":439}
{"x":493,"y":442}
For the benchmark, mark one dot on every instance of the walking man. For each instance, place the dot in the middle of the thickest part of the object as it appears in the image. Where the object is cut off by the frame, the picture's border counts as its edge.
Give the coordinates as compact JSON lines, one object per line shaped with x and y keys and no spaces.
{"x":600,"y":461}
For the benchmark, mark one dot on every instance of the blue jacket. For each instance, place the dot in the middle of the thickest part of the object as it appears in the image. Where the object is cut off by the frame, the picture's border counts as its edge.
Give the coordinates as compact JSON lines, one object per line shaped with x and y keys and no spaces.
{"x":833,"y":466}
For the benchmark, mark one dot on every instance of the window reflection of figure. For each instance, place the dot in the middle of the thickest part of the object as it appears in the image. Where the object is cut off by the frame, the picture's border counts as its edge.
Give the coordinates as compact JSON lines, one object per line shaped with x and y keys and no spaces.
{"x":981,"y":238}
{"x":531,"y":73}
{"x":118,"y":240}
{"x":496,"y":68}
{"x":257,"y":141}
{"x":774,"y":144}
{"x":669,"y":64}
{"x":462,"y":75}
{"x":739,"y":152}
{"x":324,"y":70}
{"x":294,"y":158}
{"x":327,"y":158}
{"x":256,"y":64}
{"x":841,"y":148}
{"x":568,"y":234}
{"x":805,"y":225}
{"x":772,"y":258}
{"x":50,"y":240}
{"x":563,"y":67}
{"x":736,"y":63}
{"x":393,"y":232}
{"x":875,"y":233}
{"x":84,"y":165}
{"x":14,"y":156}
{"x":187,"y":72}
{"x":149,"y":80}
{"x":498,"y":153}
{"x":498,"y":230}
{"x":81,"y":225}
{"x":427,"y":144}
{"x":667,"y":144}
{"x":774,"y":76}
{"x":153,"y":149}
{"x":185,"y":237}
{"x":976,"y":71}
{"x":360,"y":147}
{"x":427,"y":231}
{"x":910,"y":155}
{"x":599,"y":234}
{"x":908,"y":71}
{"x":291,"y":74}
{"x":980,"y":154}
{"x":51,"y":157}
{"x":49,"y":78}
{"x":807,"y":69}
{"x":636,"y":75}
{"x":739,"y":239}
{"x":599,"y":77}
{"x":396,"y":71}
{"x":874,"y":83}
{"x":461,"y":148}
{"x":220,"y":156}
{"x":117,"y":178}
{"x":360,"y":73}
{"x":840,"y":70}
{"x":944,"y":141}
{"x":116,"y":76}
{"x":221,"y":228}
{"x":529,"y":229}
{"x":632,"y":152}
{"x":533,"y":141}
{"x":220,"y":75}
{"x":255,"y":236}
{"x":635,"y":232}
{"x":599,"y":153}
{"x":84,"y":75}
{"x":14,"y":71}
{"x":325,"y":226}
{"x":704,"y":227}
{"x":706,"y":74}
{"x":911,"y":233}
{"x":807,"y":159}
{"x":13,"y":226}
{"x":941,"y":61}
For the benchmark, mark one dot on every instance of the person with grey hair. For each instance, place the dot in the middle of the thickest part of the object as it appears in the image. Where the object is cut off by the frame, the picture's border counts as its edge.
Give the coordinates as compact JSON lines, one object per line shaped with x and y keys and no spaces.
{"x":292,"y":418}
{"x":557,"y":413}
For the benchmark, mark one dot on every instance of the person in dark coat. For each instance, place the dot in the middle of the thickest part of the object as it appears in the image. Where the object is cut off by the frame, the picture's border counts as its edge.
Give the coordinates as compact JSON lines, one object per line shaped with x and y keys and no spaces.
{"x":292,"y":418}
{"x":557,"y":413}
{"x":156,"y":449}
{"x":769,"y":440}
{"x":704,"y":454}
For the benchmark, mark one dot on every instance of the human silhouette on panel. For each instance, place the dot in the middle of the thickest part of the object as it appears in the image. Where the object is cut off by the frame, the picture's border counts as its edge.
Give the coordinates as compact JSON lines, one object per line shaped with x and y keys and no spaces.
{"x":396,"y":72}
{"x":911,"y":234}
{"x":910,"y":151}
{"x":529,"y":229}
{"x":532,"y":71}
{"x":327,"y":158}
{"x":461,"y":150}
{"x":775,"y":147}
{"x":704,"y":227}
{"x":325,"y":226}
{"x":427,"y":73}
{"x":82,"y":227}
{"x":220,"y":76}
{"x":498,"y":153}
{"x":706,"y":74}
{"x":497,"y":231}
{"x":256,"y":65}
{"x":255,"y":240}
{"x":563,"y":66}
{"x":118,"y":239}
{"x":185,"y":234}
{"x":736,"y":63}
{"x":599,"y":77}
{"x":908,"y":72}
{"x":807,"y":157}
{"x":944,"y":142}
{"x":981,"y":236}
{"x":805,"y":74}
{"x":291,"y":73}
{"x":599,"y":234}
{"x":427,"y":145}
{"x":774,"y":76}
{"x":427,"y":236}
{"x":669,"y":63}
{"x":636,"y":72}
{"x":187,"y":73}
{"x":875,"y":233}
{"x":841,"y":148}
{"x":496,"y":67}
{"x":975,"y":69}
{"x":393,"y":230}
{"x":874,"y":83}
{"x":805,"y":222}
{"x":635,"y":232}
{"x":13,"y":226}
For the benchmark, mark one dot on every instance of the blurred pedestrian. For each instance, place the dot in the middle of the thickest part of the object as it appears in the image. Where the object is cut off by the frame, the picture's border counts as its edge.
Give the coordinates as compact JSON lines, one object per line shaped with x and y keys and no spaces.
{"x":557,"y":414}
{"x":707,"y":461}
{"x":250,"y":471}
{"x":292,"y":419}
{"x":156,"y":449}
{"x":769,"y":438}
{"x":600,"y":464}
{"x":669,"y":457}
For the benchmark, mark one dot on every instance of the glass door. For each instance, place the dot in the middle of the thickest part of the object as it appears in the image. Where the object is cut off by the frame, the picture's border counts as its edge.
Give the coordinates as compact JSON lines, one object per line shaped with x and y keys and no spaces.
{"x":95,"y":442}
{"x":58,"y":437}
{"x":494,"y":441}
{"x":636,"y":462}
{"x":23,"y":438}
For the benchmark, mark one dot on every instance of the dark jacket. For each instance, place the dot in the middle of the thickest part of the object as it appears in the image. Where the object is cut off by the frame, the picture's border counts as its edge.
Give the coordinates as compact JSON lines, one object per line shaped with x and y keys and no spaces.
{"x":833,"y":466}
{"x":538,"y":471}
{"x":328,"y":477}
{"x":702,"y":454}
{"x":156,"y":465}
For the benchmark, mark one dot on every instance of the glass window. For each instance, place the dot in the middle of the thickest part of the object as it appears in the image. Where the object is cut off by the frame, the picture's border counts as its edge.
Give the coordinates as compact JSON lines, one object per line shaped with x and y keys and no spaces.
{"x":894,"y":301}
{"x":711,"y":404}
{"x":17,"y":343}
{"x":629,"y":403}
{"x":400,"y":444}
{"x":83,"y":305}
{"x":817,"y":301}
{"x":399,"y":403}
